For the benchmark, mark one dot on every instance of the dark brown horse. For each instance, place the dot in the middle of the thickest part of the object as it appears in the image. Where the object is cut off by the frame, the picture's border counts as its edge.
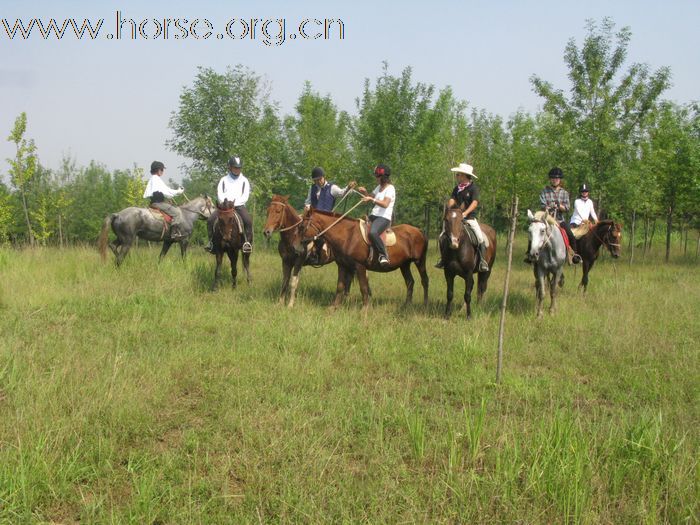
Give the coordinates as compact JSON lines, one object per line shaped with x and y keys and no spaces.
{"x":228,"y":239}
{"x":350,"y":249}
{"x":459,"y":257}
{"x":282,"y":217}
{"x":604,"y":233}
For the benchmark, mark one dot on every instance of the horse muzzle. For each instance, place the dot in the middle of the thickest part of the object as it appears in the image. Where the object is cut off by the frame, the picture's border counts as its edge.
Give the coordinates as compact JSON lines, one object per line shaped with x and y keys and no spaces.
{"x":454,"y":242}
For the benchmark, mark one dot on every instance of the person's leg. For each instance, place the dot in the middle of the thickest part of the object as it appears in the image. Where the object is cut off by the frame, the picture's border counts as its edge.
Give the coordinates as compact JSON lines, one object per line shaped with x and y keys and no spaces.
{"x":174,"y":212}
{"x":483,"y":263}
{"x":576,"y":258}
{"x":379,"y":224}
{"x":247,"y":227}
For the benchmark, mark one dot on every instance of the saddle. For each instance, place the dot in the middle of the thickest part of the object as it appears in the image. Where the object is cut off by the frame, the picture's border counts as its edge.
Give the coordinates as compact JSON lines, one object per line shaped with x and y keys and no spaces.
{"x":471,"y":235}
{"x":388,"y":236}
{"x":544,"y":216}
{"x":581,"y":230}
{"x":160,"y":214}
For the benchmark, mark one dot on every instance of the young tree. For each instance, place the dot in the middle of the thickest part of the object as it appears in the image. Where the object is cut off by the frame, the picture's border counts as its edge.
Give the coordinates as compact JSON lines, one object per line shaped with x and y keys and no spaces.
{"x":23,"y":166}
{"x":6,"y":214}
{"x":603,"y":116}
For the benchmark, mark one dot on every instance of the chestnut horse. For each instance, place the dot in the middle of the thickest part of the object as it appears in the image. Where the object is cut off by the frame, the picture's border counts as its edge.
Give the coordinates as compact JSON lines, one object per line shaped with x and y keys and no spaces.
{"x":282,"y":217}
{"x":459,"y":257}
{"x":228,"y":239}
{"x":350,"y":249}
{"x":604,"y":233}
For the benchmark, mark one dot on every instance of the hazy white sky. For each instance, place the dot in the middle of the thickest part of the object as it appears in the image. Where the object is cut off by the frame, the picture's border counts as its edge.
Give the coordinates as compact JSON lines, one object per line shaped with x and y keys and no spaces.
{"x":110,"y":100}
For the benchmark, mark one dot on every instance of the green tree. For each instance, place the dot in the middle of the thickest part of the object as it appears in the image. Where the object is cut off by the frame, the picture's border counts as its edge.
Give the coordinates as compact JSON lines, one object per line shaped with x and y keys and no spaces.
{"x":594,"y":128}
{"x":6,"y":214}
{"x":23,"y":166}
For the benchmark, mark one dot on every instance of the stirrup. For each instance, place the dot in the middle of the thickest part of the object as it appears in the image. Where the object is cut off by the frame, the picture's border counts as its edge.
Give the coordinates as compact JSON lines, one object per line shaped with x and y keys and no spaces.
{"x":209,"y":247}
{"x":247,"y":247}
{"x":383,"y":261}
{"x":440,"y":265}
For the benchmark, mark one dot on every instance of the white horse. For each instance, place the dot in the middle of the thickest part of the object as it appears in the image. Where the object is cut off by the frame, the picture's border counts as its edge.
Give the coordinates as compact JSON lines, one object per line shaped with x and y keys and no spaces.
{"x":548,"y":251}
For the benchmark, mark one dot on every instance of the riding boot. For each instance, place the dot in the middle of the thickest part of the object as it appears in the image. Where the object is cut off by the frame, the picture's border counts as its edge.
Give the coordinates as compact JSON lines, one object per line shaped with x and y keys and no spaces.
{"x":175,"y":232}
{"x":483,"y":263}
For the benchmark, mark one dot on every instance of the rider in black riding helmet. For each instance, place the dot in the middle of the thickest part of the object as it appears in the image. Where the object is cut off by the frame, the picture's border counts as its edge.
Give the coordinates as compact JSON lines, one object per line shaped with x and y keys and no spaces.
{"x":157,"y":191}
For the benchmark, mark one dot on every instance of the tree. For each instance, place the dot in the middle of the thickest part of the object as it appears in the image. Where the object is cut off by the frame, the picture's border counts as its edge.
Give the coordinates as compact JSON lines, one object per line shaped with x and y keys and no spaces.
{"x":603,"y":117}
{"x":23,"y":166}
{"x":6,"y":215}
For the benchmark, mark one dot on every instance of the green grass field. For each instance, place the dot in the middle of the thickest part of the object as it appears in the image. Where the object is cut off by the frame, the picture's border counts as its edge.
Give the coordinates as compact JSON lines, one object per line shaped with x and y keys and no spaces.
{"x":135,"y":395}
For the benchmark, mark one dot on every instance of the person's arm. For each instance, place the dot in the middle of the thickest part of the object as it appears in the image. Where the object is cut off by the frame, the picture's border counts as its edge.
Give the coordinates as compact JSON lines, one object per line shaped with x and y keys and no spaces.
{"x":593,"y":214}
{"x":543,"y":199}
{"x":221,"y":190}
{"x":564,"y":203}
{"x":384,"y":202}
{"x":307,"y":202}
{"x":245,"y":194}
{"x":470,"y":209}
{"x":166,"y":190}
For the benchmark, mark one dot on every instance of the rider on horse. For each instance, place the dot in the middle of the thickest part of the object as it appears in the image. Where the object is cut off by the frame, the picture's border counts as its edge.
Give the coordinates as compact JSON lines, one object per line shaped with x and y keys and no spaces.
{"x":466,"y":197}
{"x":554,"y":199}
{"x":157,"y":191}
{"x":322,"y":195}
{"x":383,"y":197}
{"x":235,"y":187}
{"x":583,"y":208}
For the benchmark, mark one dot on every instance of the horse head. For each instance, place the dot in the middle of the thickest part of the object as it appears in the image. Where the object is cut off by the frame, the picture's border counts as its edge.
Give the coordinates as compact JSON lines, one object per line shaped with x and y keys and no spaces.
{"x":453,"y":226}
{"x":226,"y":223}
{"x":612,"y":238}
{"x":207,"y":207}
{"x":539,"y":233}
{"x":276,"y":212}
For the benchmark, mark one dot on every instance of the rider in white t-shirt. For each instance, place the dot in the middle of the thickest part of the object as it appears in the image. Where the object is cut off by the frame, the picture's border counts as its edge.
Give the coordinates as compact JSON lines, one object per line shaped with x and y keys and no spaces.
{"x":383,"y":197}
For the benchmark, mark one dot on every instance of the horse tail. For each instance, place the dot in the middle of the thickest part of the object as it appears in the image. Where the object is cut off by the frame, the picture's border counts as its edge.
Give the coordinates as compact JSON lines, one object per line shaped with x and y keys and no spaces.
{"x":104,"y":236}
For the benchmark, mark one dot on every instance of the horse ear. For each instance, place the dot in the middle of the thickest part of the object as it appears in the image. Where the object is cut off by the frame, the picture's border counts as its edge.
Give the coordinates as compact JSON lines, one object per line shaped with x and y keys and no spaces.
{"x":530,"y":216}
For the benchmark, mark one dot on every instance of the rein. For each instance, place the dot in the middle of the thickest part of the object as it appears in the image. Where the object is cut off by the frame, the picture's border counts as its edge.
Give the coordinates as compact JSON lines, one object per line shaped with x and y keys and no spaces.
{"x":337,"y":220}
{"x":284,"y":210}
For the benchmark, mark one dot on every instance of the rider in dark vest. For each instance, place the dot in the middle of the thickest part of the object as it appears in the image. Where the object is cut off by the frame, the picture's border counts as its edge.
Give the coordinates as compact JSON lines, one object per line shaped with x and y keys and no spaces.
{"x":322,"y":195}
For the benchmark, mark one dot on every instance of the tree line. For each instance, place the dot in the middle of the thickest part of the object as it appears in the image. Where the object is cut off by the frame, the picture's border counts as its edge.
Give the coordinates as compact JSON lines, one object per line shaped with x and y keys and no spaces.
{"x":610,"y":128}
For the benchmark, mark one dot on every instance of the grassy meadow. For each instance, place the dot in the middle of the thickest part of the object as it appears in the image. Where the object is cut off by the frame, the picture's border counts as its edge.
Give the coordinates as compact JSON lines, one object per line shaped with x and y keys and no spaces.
{"x":136,"y":395}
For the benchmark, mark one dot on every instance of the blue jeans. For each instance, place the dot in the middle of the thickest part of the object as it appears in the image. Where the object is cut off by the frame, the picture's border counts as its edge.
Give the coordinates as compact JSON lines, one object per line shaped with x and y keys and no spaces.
{"x":379,"y":225}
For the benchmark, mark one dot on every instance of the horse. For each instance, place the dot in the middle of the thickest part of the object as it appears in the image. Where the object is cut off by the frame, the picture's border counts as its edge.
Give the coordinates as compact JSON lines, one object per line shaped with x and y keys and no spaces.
{"x":604,"y":233}
{"x":548,"y":251}
{"x":282,"y":217}
{"x":345,"y":238}
{"x":459,"y":257}
{"x":149,"y":225}
{"x":228,"y":239}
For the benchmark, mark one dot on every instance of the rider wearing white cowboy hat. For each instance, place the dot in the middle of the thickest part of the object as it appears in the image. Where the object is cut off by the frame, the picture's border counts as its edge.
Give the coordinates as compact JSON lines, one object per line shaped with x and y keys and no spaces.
{"x":466,"y":196}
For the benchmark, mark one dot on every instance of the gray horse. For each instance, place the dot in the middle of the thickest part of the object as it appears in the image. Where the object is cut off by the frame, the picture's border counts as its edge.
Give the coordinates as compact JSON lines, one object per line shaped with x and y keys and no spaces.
{"x":135,"y":222}
{"x":548,"y":250}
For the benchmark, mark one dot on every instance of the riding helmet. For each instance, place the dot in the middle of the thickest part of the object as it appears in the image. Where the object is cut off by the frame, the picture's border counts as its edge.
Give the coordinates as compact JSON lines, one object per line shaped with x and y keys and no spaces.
{"x":584,"y":187}
{"x":382,"y":169}
{"x":235,"y":162}
{"x":317,"y":173}
{"x":156,"y":165}
{"x":556,"y":173}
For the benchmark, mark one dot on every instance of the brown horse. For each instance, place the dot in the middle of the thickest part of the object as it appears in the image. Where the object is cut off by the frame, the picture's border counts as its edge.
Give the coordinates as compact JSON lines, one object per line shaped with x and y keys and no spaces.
{"x":459,"y":257}
{"x":344,"y":236}
{"x":228,"y":239}
{"x":604,"y":233}
{"x":282,"y":217}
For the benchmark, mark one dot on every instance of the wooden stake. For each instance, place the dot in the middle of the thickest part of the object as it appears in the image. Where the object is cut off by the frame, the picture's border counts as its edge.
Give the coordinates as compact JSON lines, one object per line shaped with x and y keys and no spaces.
{"x":509,"y":251}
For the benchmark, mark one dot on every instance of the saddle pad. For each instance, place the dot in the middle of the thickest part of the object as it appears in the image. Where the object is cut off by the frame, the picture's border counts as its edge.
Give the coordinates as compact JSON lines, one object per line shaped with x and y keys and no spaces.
{"x":544,"y":216}
{"x":472,"y":235}
{"x":581,"y":230}
{"x":160,"y":215}
{"x":388,"y":235}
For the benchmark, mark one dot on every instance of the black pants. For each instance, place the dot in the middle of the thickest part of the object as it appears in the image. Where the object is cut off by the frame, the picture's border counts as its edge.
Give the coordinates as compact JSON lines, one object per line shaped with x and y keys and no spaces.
{"x":378,"y":226}
{"x":245,"y":217}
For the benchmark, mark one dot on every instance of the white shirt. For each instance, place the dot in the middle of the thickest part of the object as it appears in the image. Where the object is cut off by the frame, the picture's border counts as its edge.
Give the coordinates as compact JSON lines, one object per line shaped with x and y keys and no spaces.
{"x":235,"y":189}
{"x":156,"y":183}
{"x":583,"y":210}
{"x":379,"y":194}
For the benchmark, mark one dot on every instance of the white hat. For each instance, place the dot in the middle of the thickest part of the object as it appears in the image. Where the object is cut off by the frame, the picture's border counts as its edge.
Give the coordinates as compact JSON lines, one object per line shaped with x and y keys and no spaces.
{"x":466,"y":169}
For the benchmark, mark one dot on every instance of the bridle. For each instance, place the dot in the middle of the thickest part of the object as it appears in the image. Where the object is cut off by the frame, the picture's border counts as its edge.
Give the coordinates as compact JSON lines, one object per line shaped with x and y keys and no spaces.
{"x":606,"y":237}
{"x":208,"y":208}
{"x":281,"y":221}
{"x":549,"y":229}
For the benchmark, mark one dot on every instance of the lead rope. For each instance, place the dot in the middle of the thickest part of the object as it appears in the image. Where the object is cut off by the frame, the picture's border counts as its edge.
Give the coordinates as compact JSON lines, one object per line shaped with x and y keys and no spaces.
{"x":341,"y":217}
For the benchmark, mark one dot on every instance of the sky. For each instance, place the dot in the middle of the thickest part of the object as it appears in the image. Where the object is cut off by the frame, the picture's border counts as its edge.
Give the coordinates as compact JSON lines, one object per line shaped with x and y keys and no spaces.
{"x":110,"y":99}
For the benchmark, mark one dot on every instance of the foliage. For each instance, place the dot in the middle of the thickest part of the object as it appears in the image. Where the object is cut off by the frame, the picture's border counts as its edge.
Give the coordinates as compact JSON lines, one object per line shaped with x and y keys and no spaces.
{"x":23,"y":166}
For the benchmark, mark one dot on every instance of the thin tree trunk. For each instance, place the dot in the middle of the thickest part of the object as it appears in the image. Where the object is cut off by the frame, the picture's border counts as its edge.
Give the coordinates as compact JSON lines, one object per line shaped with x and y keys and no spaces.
{"x":60,"y":231}
{"x":669,"y":227}
{"x":653,"y":231}
{"x":631,"y":248}
{"x":646,"y":236}
{"x":504,"y":304}
{"x":697,"y":248}
{"x":685,"y":243}
{"x":26,"y":217}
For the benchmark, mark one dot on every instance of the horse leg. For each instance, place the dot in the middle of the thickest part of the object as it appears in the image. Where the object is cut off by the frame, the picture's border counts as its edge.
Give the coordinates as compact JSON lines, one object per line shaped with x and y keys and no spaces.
{"x":450,"y":280}
{"x":584,"y":278}
{"x":539,"y":291}
{"x":349,"y":276}
{"x":482,"y":284}
{"x":286,"y":273}
{"x":166,"y":246}
{"x":217,"y":271}
{"x":424,"y":280}
{"x":125,"y":247}
{"x":468,"y":288}
{"x":233,"y":257}
{"x":295,"y":280}
{"x":340,"y":287}
{"x":246,"y":267}
{"x":364,"y":285}
{"x":184,"y":243}
{"x":553,"y":290}
{"x":408,"y":279}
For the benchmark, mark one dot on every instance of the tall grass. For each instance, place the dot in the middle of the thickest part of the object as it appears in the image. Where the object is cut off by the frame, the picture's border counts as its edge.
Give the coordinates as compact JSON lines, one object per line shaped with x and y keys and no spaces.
{"x":135,"y":395}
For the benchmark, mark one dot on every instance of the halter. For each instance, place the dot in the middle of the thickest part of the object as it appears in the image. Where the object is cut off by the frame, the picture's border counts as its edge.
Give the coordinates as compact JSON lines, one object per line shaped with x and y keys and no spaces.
{"x":284,"y":210}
